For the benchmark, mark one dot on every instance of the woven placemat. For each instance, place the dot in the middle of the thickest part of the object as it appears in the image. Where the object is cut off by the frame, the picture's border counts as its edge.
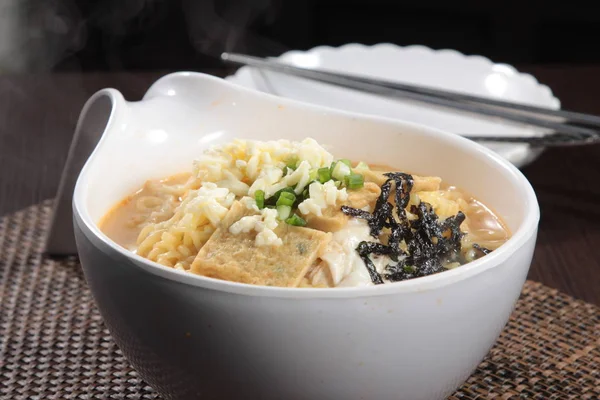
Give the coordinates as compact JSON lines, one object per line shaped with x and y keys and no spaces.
{"x":53,"y":344}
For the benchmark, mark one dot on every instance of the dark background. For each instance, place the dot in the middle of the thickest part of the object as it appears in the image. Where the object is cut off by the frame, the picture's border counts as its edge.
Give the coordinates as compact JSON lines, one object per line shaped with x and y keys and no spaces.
{"x":188,"y":34}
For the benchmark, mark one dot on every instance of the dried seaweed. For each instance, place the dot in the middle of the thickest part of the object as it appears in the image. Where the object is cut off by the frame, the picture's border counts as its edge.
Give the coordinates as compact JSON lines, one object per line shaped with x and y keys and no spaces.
{"x":481,"y":249}
{"x":430,"y":243}
{"x":364,"y":249}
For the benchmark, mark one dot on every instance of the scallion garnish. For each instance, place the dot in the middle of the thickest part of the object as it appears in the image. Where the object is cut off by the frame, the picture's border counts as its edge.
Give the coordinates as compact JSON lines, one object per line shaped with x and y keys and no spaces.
{"x":354,"y":181}
{"x":292,"y":163}
{"x":283,"y":212}
{"x":296,"y":220}
{"x":286,"y":199}
{"x":259,"y":197}
{"x":340,"y":170}
{"x":332,"y":167}
{"x":324,"y":174}
{"x":313,"y":174}
{"x":273,"y":199}
{"x":361,"y":166}
{"x":347,"y":162}
{"x":306,"y":193}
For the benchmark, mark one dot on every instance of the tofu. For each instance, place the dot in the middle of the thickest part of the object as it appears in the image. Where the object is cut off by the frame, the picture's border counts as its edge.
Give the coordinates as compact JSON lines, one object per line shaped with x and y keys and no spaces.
{"x":333,"y":219}
{"x":442,"y":206}
{"x":236,"y":257}
{"x":319,"y":275}
{"x":421,"y":183}
{"x":367,"y":196}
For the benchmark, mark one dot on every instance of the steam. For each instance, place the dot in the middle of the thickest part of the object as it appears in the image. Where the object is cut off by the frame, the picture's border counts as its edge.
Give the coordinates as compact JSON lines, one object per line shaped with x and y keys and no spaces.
{"x":229,"y":29}
{"x":35,"y":35}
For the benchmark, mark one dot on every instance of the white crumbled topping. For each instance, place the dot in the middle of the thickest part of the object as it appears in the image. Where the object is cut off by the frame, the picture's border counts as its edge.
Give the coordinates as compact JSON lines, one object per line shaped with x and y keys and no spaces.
{"x":264,"y":224}
{"x":249,"y":203}
{"x":234,"y":184}
{"x":271,"y":181}
{"x":245,"y":224}
{"x":269,"y":218}
{"x":209,"y":201}
{"x":300,"y":177}
{"x":312,"y":152}
{"x":245,"y":166}
{"x":322,"y":196}
{"x":268,"y":238}
{"x":240,"y":164}
{"x":309,"y":206}
{"x":241,"y":167}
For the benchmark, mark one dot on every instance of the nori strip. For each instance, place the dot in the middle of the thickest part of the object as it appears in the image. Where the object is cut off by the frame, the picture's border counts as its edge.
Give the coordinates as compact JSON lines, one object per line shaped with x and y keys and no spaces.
{"x":373,"y":248}
{"x":355,"y":212}
{"x":481,"y":249}
{"x":379,"y":218}
{"x":363,"y":251}
{"x":405,"y":182}
{"x":430,"y":243}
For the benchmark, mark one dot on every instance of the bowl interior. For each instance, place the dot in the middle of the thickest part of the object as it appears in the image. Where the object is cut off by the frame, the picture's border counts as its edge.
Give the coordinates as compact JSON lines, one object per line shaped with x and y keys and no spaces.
{"x":182,"y":114}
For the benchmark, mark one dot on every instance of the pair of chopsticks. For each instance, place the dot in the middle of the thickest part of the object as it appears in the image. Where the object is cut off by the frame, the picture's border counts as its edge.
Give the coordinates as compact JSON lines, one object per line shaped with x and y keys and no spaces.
{"x":571,"y":128}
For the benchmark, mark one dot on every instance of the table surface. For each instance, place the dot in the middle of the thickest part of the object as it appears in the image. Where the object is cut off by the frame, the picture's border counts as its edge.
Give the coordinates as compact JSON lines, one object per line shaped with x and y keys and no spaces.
{"x":38,"y":114}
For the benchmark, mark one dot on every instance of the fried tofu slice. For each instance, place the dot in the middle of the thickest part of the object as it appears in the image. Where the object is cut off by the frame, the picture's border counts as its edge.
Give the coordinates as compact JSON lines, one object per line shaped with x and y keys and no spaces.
{"x":443,"y":206}
{"x":333,"y":219}
{"x":421,"y":183}
{"x":237,"y":258}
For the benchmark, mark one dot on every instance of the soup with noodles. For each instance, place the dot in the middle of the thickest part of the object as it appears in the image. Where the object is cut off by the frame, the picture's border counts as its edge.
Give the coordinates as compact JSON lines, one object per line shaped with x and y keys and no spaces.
{"x":289,"y":214}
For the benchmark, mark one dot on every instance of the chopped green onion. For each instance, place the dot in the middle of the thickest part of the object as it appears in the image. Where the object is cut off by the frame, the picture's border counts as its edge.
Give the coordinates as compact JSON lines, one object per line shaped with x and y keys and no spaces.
{"x":332,"y":166}
{"x":346,"y":161}
{"x":409,"y":269}
{"x":324,"y":174}
{"x":340,"y":171}
{"x":283,"y":212}
{"x":354,"y":181}
{"x":338,"y":184}
{"x":273,"y":199}
{"x":295,"y":220}
{"x":259,"y":197}
{"x":292,"y":163}
{"x":306,"y":193}
{"x":286,"y":199}
{"x":361,"y":166}
{"x":312,"y":175}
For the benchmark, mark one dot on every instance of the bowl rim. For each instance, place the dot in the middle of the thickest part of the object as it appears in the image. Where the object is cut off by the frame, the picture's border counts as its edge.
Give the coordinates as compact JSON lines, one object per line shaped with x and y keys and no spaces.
{"x":519,"y":238}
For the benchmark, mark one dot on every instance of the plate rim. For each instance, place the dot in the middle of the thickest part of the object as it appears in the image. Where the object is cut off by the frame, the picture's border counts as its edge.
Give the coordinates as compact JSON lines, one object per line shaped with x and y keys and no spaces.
{"x":551,"y":101}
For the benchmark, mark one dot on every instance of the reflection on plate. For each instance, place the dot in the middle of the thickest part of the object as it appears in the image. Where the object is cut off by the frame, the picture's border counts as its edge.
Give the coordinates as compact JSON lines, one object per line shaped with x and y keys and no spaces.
{"x":446,"y":69}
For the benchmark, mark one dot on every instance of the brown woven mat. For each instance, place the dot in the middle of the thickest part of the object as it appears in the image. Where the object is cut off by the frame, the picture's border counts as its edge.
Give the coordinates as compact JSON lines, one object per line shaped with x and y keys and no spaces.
{"x":53,"y":344}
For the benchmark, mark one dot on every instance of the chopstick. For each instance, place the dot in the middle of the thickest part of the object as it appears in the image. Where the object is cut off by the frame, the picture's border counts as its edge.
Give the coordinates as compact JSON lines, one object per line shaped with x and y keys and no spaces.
{"x":520,"y":113}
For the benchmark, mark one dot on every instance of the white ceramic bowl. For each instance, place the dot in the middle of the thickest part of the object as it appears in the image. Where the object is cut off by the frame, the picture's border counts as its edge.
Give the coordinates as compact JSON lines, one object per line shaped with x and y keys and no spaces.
{"x":446,"y":69}
{"x":196,"y":337}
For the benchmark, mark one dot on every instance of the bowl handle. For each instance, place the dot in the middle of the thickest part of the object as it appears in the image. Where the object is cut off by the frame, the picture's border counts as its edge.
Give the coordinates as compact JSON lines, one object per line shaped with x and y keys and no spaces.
{"x":99,"y":114}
